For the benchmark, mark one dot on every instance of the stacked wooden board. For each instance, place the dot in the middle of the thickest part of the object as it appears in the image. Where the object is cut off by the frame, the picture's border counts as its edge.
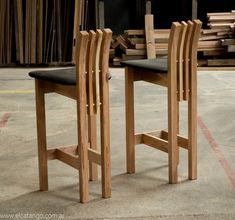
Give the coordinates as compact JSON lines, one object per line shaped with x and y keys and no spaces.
{"x":132,"y":44}
{"x":43,"y":32}
{"x":217,"y":44}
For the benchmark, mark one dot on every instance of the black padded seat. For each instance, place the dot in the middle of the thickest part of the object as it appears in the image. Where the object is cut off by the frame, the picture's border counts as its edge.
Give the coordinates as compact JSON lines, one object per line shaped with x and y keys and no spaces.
{"x":159,"y":64}
{"x":65,"y":76}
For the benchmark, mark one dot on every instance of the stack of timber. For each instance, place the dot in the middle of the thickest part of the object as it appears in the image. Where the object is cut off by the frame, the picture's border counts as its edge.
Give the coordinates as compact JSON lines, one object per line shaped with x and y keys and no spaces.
{"x":132,"y":45}
{"x":217,"y":44}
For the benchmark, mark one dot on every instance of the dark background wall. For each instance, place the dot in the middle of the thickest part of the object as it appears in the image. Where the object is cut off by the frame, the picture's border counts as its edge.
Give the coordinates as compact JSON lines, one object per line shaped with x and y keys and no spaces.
{"x":127,"y":14}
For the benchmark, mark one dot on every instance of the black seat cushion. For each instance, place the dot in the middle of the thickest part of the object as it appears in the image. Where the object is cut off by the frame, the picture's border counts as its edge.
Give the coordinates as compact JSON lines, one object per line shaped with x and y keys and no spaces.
{"x":61,"y":76}
{"x":159,"y":65}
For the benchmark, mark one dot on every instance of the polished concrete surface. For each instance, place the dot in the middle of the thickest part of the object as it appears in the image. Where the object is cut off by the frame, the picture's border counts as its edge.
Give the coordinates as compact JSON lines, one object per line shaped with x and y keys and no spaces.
{"x":143,"y":195}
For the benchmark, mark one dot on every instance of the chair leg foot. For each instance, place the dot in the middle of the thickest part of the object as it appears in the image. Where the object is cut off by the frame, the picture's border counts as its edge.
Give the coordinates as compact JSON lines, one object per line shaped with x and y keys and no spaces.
{"x":43,"y":181}
{"x":130,"y":159}
{"x":106,"y":193}
{"x":173,"y":174}
{"x":84,"y":195}
{"x":130,"y":167}
{"x":192,"y":175}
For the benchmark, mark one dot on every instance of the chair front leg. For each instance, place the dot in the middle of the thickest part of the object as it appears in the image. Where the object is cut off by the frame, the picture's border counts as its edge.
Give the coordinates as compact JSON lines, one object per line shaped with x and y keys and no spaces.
{"x":41,"y":135}
{"x":130,"y":123}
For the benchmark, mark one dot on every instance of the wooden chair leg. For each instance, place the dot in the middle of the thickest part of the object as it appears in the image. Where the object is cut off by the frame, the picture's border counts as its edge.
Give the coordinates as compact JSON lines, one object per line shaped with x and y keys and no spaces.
{"x":172,"y":129}
{"x":93,"y":169}
{"x":105,"y":140}
{"x":192,"y":130}
{"x":41,"y":136}
{"x":82,"y":144}
{"x":130,"y":123}
{"x":83,"y":172}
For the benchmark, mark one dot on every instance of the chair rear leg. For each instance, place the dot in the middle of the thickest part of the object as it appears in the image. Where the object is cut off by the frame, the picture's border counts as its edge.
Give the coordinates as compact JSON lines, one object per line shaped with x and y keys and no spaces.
{"x":105,"y":142}
{"x":93,"y":169}
{"x":82,"y":132}
{"x":173,"y":152}
{"x":130,"y":123}
{"x":192,"y":134}
{"x":41,"y":136}
{"x":83,"y":172}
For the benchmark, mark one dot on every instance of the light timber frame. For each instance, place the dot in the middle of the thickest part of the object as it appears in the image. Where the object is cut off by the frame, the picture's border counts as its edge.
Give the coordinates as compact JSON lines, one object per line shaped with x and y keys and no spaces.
{"x":91,"y":93}
{"x":181,"y":84}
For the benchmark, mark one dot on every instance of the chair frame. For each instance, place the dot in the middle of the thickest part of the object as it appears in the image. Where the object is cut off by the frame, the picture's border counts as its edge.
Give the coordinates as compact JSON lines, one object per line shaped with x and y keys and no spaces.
{"x":181,"y":84}
{"x":91,"y":93}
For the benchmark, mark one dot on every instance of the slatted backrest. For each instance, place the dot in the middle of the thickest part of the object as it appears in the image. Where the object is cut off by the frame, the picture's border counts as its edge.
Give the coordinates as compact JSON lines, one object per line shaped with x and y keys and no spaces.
{"x":92,"y":61}
{"x":182,"y":55}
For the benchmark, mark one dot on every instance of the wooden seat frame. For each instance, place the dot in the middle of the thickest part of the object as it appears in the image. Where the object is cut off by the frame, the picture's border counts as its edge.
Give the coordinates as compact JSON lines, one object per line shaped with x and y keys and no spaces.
{"x":181,"y":83}
{"x":91,"y":93}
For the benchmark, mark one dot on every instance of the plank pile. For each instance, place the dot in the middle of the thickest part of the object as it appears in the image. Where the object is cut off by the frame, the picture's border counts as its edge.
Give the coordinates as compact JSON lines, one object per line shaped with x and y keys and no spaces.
{"x":132,"y":44}
{"x":36,"y":31}
{"x":217,"y":44}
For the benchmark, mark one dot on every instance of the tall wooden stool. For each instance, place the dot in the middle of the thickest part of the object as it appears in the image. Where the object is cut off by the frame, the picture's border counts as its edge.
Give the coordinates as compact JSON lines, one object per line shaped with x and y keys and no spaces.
{"x":178,"y":73}
{"x":87,"y":83}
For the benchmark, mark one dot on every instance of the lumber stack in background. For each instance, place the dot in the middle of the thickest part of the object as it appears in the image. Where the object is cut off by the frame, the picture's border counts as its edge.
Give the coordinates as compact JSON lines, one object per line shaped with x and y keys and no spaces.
{"x":217,"y":44}
{"x":43,"y":32}
{"x":132,"y":45}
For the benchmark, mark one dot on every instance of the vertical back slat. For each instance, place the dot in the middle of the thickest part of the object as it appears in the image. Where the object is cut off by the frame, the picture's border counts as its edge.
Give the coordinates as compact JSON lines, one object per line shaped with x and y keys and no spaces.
{"x":186,"y":65}
{"x":194,"y":45}
{"x":97,"y":69}
{"x":181,"y":60}
{"x":80,"y":60}
{"x":90,"y":71}
{"x":172,"y":49}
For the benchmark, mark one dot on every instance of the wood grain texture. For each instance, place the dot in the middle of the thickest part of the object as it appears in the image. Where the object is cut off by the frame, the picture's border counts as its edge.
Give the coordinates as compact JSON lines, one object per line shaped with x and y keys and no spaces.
{"x":81,"y":48}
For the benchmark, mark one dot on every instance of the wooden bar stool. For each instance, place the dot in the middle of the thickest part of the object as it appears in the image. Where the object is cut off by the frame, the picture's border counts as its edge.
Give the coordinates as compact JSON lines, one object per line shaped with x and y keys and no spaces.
{"x":178,"y":74}
{"x":87,"y":83}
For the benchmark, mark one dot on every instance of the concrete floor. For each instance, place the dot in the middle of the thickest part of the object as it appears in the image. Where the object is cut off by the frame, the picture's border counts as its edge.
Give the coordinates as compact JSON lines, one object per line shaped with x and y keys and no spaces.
{"x":144,"y":195}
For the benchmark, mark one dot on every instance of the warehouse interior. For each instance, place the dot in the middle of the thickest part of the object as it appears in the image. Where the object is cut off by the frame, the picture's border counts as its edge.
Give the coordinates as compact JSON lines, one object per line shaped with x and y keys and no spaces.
{"x":145,"y":194}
